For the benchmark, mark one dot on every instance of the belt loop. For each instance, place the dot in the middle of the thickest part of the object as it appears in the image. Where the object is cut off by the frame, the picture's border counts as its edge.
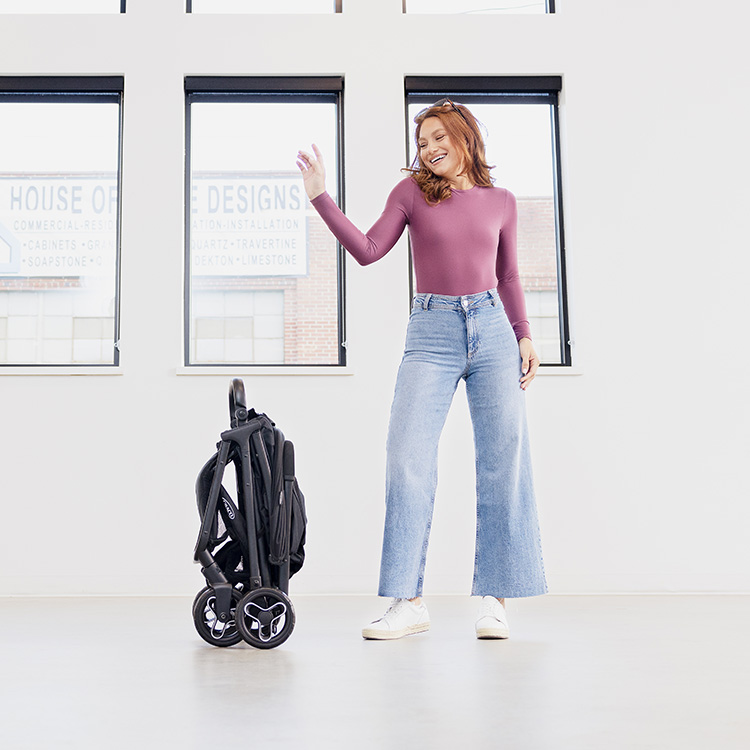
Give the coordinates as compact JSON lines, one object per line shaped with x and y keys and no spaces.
{"x":494,"y":295}
{"x":426,"y":302}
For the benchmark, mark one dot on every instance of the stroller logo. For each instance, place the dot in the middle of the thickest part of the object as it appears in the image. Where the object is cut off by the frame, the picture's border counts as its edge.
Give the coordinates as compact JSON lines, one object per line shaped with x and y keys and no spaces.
{"x":229,"y":509}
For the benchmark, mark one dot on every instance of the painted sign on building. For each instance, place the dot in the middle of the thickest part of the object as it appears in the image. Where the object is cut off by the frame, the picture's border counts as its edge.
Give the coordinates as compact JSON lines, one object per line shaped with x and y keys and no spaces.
{"x":248,"y":225}
{"x":58,"y":225}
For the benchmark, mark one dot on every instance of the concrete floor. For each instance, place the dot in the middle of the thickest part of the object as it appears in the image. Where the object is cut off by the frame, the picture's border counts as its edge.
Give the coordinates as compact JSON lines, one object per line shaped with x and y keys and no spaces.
{"x":579,"y":672}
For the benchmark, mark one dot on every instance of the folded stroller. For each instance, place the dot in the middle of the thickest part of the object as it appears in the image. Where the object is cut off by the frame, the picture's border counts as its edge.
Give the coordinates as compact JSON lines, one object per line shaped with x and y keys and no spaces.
{"x":250,"y":546}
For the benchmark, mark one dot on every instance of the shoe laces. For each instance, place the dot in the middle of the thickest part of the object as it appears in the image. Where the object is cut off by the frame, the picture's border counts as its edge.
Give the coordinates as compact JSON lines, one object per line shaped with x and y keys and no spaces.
{"x":395,"y":607}
{"x":490,"y":607}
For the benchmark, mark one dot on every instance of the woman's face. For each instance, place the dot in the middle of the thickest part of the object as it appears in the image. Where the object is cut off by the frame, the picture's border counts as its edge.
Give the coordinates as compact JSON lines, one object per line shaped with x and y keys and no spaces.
{"x":437,"y":151}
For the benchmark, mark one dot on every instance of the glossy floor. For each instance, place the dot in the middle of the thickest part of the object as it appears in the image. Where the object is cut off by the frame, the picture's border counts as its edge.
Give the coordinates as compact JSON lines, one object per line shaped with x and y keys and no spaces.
{"x":579,"y":672}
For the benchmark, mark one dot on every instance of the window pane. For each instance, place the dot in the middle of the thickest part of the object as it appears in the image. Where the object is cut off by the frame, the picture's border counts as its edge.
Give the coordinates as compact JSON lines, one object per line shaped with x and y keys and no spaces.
{"x":59,"y":212}
{"x":263,"y":269}
{"x":262,"y":6}
{"x":519,"y":143}
{"x":474,"y":6}
{"x":60,"y":6}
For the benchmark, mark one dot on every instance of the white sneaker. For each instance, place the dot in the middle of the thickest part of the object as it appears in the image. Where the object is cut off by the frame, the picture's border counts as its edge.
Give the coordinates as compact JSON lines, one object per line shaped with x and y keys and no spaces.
{"x":402,"y":618}
{"x":492,"y":620}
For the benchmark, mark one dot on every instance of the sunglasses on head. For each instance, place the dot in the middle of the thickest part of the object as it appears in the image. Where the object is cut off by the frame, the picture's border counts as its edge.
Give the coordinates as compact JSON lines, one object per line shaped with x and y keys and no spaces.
{"x":445,"y":103}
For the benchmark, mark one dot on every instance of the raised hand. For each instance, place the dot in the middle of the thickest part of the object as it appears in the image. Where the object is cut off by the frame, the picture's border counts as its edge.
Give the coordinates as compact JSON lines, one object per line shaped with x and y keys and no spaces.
{"x":313,"y":172}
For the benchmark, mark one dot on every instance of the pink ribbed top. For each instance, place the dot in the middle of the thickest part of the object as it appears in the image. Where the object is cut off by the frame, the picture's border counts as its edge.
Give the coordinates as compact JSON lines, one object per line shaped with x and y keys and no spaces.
{"x":463,"y":245}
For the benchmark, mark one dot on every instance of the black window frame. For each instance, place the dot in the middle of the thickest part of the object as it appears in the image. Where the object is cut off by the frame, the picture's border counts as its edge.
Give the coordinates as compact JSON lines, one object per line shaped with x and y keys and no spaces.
{"x":509,"y":90}
{"x":263,"y":89}
{"x":78,"y":89}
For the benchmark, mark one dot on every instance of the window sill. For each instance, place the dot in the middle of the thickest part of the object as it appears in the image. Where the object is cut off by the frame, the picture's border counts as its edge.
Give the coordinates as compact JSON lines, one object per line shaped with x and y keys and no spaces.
{"x":240,"y":370}
{"x":559,"y":370}
{"x":60,"y":370}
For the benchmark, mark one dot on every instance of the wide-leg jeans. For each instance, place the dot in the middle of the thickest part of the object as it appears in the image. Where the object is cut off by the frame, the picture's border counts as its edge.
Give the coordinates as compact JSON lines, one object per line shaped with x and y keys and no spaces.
{"x":449,"y":338}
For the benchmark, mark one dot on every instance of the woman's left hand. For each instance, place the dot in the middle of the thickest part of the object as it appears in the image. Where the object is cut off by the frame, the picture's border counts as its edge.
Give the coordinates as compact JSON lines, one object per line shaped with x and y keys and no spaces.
{"x":529,"y":361}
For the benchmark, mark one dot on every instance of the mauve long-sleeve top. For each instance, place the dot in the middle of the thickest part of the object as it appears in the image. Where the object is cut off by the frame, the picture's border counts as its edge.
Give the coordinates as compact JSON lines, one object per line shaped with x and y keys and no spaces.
{"x":463,"y":245}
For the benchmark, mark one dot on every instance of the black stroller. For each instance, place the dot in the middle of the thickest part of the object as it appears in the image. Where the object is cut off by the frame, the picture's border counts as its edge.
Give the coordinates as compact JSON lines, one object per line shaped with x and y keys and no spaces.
{"x":250,"y":548}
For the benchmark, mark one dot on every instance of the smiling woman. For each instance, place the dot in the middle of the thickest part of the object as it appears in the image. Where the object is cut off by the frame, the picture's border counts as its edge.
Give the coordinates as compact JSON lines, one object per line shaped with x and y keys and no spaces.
{"x":469,"y":323}
{"x":450,"y":151}
{"x":440,"y":156}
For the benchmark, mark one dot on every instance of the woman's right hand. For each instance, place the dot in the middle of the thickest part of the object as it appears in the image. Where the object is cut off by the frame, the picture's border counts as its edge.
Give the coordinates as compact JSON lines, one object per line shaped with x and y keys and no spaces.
{"x":313,"y":172}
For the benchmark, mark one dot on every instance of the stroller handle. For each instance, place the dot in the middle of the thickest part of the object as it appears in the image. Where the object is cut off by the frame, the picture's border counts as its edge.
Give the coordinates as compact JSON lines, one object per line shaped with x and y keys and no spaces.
{"x":237,"y":400}
{"x":288,"y":458}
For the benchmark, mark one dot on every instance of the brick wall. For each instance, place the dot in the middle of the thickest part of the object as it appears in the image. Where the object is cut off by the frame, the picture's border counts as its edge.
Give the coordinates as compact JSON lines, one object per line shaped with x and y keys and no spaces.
{"x":537,"y":254}
{"x":310,"y":302}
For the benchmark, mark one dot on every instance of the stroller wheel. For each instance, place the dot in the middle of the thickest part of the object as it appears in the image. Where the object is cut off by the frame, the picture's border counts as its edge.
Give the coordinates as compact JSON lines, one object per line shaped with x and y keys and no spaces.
{"x":265,"y":617}
{"x":198,"y":598}
{"x":208,"y":625}
{"x":208,"y":588}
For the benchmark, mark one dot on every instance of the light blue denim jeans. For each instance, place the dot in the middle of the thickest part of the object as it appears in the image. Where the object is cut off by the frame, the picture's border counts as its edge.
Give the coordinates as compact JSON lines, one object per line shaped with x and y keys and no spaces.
{"x":449,"y":338}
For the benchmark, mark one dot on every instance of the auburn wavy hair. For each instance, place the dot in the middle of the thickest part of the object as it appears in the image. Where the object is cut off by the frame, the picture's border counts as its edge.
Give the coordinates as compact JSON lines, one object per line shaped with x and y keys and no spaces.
{"x":465,"y":134}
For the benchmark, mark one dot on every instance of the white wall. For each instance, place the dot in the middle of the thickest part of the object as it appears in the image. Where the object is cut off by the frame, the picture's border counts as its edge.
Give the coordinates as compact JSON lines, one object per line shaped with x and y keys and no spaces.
{"x":640,"y":460}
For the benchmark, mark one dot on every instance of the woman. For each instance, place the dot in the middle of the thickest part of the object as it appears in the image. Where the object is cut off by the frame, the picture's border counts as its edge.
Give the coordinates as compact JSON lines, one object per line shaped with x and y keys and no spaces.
{"x":468,"y":321}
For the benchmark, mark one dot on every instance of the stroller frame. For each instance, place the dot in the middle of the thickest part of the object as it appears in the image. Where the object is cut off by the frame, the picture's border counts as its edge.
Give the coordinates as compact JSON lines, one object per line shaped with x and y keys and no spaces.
{"x":251,"y":604}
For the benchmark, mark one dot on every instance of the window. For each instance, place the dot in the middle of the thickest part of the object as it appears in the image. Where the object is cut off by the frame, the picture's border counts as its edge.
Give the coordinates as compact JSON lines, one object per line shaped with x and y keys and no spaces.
{"x":59,"y":220}
{"x":62,"y":6}
{"x":478,"y":7}
{"x":522,"y":138}
{"x":264,"y":278}
{"x":264,"y":6}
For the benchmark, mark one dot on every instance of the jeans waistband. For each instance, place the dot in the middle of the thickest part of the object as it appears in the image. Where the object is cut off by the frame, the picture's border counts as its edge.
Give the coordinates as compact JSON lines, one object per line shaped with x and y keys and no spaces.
{"x":489,"y":298}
